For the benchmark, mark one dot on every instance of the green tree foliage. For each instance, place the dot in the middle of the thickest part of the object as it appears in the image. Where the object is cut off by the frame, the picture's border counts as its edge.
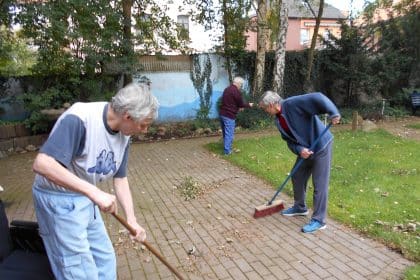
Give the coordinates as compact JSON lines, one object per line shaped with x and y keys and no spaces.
{"x":16,"y":57}
{"x":87,"y":37}
{"x":235,"y":23}
{"x":5,"y":18}
{"x":84,"y":44}
{"x":345,"y":65}
{"x":231,"y":17}
{"x":396,"y":45}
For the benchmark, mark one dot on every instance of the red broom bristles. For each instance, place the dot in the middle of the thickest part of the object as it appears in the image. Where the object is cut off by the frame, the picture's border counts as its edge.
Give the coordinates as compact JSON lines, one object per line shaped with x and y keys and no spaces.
{"x":265,"y":210}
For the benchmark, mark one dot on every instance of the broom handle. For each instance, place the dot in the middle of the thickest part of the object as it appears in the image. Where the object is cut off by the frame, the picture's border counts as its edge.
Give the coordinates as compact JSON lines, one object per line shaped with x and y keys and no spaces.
{"x":298,"y":164}
{"x":148,"y":246}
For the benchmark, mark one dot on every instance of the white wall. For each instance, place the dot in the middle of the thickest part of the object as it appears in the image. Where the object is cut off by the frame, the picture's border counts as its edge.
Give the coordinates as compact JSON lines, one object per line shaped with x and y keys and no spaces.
{"x":202,"y":41}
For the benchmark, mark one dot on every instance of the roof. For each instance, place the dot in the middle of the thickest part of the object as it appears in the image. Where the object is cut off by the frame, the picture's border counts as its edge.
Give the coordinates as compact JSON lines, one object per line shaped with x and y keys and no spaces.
{"x":298,"y":10}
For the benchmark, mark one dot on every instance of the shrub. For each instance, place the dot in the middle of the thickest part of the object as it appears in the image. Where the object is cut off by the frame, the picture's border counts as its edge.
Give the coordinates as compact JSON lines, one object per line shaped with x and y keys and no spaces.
{"x":253,"y":118}
{"x":35,"y":102}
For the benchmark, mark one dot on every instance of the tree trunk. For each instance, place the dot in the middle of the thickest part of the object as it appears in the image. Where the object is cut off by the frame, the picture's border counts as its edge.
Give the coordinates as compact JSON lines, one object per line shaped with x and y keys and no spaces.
{"x":128,"y":44}
{"x":307,"y":84}
{"x":262,"y":37}
{"x":226,"y":41}
{"x":280,"y":59}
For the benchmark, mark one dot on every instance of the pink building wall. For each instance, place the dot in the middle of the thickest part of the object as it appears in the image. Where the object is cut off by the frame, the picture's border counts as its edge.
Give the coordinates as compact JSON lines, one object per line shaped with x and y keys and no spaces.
{"x":294,"y":32}
{"x":293,"y":36}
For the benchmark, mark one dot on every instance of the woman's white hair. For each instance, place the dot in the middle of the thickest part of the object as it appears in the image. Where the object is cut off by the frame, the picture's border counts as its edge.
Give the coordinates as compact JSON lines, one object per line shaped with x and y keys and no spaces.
{"x":238,"y":81}
{"x":137,"y":101}
{"x":270,"y":97}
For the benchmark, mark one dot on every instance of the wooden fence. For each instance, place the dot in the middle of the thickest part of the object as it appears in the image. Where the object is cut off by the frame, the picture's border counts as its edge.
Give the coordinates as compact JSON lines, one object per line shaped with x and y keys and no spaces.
{"x":168,"y":63}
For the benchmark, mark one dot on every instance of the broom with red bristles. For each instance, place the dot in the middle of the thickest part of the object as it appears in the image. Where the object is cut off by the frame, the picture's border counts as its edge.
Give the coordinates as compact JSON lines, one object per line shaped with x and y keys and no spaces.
{"x":274,"y":206}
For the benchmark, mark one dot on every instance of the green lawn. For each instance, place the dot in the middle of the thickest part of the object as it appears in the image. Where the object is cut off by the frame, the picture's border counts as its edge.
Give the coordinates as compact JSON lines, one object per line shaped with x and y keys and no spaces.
{"x":374,"y":188}
{"x":414,"y":126}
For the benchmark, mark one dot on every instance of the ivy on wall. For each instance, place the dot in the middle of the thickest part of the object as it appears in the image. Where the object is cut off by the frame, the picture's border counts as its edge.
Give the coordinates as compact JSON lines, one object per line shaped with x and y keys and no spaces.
{"x":202,"y":83}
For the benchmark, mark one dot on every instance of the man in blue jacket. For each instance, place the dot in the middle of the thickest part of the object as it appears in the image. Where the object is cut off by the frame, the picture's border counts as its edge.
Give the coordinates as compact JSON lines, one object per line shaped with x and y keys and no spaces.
{"x":299,"y":125}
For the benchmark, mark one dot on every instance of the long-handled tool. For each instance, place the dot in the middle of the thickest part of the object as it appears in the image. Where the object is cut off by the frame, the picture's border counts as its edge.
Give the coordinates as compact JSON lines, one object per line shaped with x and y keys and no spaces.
{"x":148,"y":246}
{"x":273,"y":205}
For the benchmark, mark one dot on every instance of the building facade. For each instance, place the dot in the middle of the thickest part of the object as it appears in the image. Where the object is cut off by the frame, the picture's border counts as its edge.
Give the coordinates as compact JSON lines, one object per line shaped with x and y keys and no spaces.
{"x":301,"y":25}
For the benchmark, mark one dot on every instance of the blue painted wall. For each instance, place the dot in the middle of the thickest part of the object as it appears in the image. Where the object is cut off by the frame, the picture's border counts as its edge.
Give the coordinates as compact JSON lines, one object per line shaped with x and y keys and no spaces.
{"x":177,"y":96}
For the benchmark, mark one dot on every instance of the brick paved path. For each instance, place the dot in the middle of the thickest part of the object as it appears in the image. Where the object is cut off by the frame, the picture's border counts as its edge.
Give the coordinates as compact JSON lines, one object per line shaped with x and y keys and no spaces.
{"x":228,"y":243}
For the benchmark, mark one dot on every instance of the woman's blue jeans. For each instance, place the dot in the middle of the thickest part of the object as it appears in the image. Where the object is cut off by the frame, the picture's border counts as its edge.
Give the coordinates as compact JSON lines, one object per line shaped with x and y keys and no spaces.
{"x":228,"y":131}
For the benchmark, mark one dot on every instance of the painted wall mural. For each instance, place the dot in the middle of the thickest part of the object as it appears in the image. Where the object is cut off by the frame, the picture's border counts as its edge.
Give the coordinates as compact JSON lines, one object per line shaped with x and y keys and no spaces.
{"x":177,"y":96}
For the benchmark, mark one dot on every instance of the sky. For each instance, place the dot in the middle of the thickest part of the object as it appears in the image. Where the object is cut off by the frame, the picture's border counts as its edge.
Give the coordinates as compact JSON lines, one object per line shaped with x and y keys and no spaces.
{"x":357,"y":5}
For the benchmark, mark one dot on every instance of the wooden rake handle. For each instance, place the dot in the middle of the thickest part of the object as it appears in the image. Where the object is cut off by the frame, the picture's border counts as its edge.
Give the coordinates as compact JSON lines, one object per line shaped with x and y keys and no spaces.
{"x":148,"y":246}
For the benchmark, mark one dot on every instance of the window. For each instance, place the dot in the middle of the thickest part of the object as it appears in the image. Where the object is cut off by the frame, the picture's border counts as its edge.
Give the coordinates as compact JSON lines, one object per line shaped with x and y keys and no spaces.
{"x":326,"y":35}
{"x":304,"y":36}
{"x":183,"y":26}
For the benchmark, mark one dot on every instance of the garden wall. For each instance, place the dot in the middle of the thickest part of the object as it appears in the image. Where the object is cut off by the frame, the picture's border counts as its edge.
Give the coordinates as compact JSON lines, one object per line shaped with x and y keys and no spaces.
{"x":16,"y":137}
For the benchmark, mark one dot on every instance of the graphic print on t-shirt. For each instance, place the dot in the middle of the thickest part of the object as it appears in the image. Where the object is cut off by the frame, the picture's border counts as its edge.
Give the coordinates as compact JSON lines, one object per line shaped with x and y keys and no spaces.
{"x":104,"y":163}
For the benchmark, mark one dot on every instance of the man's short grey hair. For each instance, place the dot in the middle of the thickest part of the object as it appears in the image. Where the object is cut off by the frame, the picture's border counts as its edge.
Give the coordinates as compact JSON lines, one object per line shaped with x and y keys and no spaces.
{"x":238,"y":80}
{"x":270,"y":97}
{"x":137,"y":101}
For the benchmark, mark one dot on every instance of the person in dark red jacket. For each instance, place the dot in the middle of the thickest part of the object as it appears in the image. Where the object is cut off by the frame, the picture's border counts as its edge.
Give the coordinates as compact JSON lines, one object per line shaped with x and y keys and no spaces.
{"x":232,"y":102}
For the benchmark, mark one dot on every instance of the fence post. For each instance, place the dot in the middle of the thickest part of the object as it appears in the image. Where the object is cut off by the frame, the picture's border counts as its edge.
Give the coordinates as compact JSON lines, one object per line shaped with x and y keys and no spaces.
{"x":354,"y":123}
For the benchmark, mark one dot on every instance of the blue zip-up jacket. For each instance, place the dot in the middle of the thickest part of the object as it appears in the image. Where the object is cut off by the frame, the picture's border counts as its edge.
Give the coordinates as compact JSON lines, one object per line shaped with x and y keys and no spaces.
{"x":301,"y":115}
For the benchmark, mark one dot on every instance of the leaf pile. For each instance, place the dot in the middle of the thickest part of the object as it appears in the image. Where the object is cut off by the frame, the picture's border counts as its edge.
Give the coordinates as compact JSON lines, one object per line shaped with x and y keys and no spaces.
{"x":190,"y":189}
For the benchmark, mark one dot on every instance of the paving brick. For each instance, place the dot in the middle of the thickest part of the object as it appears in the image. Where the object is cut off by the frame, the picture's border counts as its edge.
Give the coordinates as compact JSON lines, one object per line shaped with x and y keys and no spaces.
{"x":331,"y":278}
{"x":338,"y":273}
{"x":248,"y":256}
{"x":254,"y":250}
{"x":324,"y":254}
{"x":278,"y":272}
{"x":305,"y":259}
{"x":153,"y":276}
{"x":243,"y":265}
{"x":253,"y":275}
{"x":282,"y":264}
{"x":376,"y":264}
{"x":318,"y":260}
{"x":312,"y":277}
{"x":267,"y":261}
{"x":124,"y":272}
{"x":267,"y":248}
{"x":297,"y":265}
{"x":236,"y":273}
{"x":295,"y":275}
{"x":359,"y":268}
{"x":211,"y":259}
{"x":164,"y":272}
{"x":318,"y":270}
{"x":228,"y":264}
{"x":356,"y":275}
{"x":220,"y":271}
{"x":340,"y":265}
